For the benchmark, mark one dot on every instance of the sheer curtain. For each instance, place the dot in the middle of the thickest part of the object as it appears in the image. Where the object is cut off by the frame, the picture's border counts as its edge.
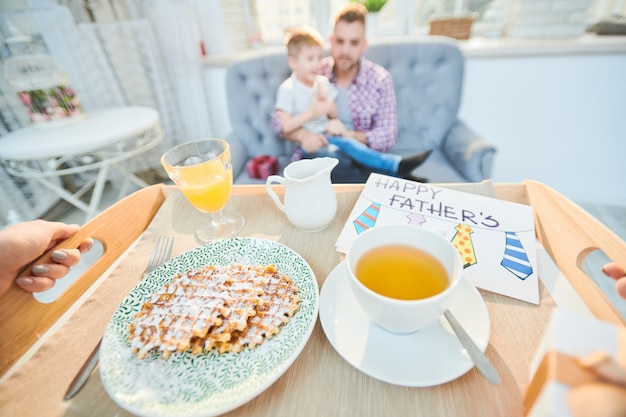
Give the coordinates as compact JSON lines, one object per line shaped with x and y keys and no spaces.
{"x":177,"y":35}
{"x":151,"y":59}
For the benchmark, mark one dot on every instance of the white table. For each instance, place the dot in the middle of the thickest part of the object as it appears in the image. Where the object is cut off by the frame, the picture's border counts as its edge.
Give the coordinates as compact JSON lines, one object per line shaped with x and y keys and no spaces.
{"x":99,"y":143}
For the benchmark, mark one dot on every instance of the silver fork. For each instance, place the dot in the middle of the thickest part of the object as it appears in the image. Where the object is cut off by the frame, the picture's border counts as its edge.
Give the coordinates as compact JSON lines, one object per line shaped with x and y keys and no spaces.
{"x":162,"y":252}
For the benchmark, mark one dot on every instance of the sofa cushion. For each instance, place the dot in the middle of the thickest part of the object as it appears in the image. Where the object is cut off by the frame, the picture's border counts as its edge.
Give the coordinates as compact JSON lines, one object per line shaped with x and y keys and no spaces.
{"x":427,"y":78}
{"x":437,"y":168}
{"x":251,"y":85}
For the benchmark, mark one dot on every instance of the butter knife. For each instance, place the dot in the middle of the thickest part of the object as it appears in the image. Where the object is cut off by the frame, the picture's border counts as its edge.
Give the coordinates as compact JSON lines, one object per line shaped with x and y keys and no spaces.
{"x":84,"y":372}
{"x":483,"y":364}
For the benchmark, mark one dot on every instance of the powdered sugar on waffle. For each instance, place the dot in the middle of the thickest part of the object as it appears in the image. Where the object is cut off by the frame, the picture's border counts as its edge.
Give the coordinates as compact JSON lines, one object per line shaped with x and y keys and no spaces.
{"x":224,"y":307}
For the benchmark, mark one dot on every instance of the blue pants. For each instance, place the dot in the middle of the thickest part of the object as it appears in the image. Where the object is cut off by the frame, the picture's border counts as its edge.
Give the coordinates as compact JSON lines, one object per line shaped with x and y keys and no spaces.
{"x":347,"y":170}
{"x":356,"y":160}
{"x":364,"y":155}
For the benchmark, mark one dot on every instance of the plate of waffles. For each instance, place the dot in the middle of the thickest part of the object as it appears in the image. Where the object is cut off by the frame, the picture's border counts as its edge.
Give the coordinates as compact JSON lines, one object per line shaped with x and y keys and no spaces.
{"x":210,"y":329}
{"x":429,"y":357}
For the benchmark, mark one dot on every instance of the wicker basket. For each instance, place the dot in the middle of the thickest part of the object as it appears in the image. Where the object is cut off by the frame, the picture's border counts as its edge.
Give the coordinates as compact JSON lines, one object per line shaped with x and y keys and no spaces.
{"x":454,"y":27}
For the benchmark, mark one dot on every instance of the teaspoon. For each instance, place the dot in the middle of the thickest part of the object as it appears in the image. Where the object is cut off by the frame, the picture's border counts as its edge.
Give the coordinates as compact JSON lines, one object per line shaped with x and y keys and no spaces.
{"x":478,"y":357}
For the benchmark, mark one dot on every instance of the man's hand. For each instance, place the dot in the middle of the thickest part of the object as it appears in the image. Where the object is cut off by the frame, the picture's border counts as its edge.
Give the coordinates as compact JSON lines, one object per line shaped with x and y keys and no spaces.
{"x":336,"y":128}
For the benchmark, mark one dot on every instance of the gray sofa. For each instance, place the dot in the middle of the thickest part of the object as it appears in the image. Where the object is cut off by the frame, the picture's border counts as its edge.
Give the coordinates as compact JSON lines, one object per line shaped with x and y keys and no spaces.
{"x":428,"y":78}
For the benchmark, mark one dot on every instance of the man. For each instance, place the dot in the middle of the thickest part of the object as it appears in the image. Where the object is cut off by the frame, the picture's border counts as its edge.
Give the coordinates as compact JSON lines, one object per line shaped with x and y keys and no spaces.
{"x":366,"y":101}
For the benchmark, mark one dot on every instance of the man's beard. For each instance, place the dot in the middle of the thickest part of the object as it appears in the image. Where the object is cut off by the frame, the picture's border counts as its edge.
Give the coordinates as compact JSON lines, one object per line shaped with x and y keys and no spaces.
{"x":345,"y":63}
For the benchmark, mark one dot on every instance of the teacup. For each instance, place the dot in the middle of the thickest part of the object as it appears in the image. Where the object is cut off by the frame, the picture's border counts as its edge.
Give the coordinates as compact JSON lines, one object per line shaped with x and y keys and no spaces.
{"x":384,"y":298}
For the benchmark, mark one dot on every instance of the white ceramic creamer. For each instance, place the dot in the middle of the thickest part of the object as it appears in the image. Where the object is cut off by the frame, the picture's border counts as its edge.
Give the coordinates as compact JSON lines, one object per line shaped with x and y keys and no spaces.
{"x":310,"y":202}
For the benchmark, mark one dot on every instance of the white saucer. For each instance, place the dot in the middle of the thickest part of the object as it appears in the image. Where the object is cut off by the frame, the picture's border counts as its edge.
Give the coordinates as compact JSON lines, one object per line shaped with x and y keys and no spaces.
{"x":429,"y":357}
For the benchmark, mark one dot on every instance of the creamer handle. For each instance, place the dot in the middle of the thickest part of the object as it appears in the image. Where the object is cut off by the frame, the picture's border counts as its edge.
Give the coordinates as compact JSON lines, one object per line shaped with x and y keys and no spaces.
{"x":268,"y":186}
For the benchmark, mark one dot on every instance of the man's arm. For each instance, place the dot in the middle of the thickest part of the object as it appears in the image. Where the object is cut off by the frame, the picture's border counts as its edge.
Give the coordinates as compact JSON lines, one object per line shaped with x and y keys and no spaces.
{"x":309,"y":142}
{"x":384,"y":130}
{"x":336,"y":128}
{"x":355,"y":134}
{"x":291,"y":123}
{"x":379,"y":126}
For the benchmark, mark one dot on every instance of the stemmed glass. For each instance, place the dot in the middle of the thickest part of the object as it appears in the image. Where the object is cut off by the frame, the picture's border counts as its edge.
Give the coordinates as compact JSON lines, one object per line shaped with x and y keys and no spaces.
{"x":203,"y":171}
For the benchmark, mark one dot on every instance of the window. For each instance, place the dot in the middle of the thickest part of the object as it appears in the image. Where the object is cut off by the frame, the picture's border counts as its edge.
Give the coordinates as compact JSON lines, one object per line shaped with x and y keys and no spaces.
{"x":273,"y":17}
{"x":494,"y":18}
{"x":229,"y":26}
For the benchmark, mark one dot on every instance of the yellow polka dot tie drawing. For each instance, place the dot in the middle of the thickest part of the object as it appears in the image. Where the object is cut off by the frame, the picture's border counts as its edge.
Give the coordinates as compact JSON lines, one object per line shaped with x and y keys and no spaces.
{"x":462,"y":241}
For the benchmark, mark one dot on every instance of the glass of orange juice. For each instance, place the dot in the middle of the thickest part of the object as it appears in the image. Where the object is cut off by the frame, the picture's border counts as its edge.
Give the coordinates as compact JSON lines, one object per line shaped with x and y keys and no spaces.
{"x":203,"y":172}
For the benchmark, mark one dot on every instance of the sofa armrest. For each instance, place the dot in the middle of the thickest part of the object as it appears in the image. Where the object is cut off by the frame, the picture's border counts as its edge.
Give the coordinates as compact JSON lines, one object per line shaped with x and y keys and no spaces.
{"x":238,"y":154}
{"x":471,"y":155}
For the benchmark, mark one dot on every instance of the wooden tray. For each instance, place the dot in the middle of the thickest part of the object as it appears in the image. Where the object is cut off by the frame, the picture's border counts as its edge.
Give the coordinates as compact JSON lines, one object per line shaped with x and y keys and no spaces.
{"x":566,"y":231}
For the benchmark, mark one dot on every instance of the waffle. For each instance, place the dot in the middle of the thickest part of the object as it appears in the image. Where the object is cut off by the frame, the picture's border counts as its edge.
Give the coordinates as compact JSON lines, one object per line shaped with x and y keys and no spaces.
{"x":222,"y":307}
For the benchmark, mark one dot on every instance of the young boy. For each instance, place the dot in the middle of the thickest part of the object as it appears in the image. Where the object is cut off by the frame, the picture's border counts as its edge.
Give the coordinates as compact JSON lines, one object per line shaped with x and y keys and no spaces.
{"x":307,"y":100}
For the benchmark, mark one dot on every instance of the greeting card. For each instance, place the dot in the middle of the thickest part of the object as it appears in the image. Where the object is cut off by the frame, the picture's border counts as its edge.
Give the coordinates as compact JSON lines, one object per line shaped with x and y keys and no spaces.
{"x":495,"y":238}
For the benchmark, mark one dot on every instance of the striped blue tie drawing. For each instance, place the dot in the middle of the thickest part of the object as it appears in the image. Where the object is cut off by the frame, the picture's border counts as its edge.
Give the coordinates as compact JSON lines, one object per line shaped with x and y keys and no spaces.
{"x":367,"y":219}
{"x":515,"y":259}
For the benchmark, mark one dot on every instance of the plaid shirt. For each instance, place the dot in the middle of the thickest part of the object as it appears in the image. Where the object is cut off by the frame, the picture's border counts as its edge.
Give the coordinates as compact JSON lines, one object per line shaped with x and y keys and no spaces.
{"x":372,"y":104}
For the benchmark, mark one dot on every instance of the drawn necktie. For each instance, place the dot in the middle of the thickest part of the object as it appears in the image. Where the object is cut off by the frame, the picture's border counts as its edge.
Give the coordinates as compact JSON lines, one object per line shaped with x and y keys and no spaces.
{"x":416,"y":219}
{"x":462,"y":241}
{"x":367,"y":219}
{"x":515,"y":259}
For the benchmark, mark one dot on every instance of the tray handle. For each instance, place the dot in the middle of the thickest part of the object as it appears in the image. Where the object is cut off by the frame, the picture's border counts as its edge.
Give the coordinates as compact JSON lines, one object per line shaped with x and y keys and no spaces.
{"x":23,"y":319}
{"x":570,"y":234}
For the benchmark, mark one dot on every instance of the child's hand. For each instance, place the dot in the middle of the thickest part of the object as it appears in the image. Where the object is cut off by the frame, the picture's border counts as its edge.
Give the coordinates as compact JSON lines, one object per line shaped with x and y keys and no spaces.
{"x":320,"y":107}
{"x":322,"y":91}
{"x":312,"y":142}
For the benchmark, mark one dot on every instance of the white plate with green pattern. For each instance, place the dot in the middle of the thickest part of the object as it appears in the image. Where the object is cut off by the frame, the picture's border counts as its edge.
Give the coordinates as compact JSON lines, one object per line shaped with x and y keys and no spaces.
{"x":210,"y":383}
